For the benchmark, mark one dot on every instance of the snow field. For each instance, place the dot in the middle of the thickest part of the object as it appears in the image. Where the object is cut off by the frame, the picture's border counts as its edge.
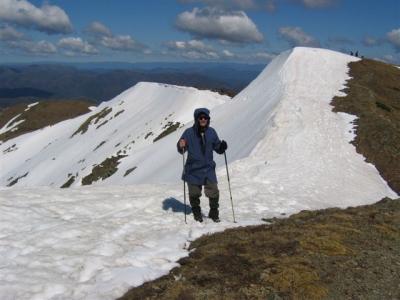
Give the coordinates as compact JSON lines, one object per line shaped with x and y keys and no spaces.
{"x":93,"y":242}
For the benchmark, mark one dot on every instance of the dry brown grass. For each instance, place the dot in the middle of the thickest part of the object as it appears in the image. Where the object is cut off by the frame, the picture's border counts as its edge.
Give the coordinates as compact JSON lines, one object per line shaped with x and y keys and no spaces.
{"x":96,"y":118}
{"x":373,"y":95}
{"x":103,"y":170}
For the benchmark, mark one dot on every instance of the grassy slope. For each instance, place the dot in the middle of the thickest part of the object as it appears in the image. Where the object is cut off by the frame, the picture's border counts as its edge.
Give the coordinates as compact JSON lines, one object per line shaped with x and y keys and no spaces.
{"x":327,"y":254}
{"x":373,"y":95}
{"x":41,"y":115}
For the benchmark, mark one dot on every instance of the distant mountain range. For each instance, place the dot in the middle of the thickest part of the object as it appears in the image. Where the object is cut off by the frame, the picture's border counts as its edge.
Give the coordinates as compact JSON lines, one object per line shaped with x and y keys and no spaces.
{"x":102,"y":81}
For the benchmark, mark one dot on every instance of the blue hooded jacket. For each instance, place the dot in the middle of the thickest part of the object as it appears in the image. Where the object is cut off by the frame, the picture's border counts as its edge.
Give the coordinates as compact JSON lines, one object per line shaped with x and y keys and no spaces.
{"x":200,"y":165}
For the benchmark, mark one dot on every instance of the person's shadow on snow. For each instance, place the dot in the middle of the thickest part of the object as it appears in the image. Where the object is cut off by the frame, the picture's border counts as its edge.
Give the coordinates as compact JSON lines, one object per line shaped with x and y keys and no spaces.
{"x":175,"y":205}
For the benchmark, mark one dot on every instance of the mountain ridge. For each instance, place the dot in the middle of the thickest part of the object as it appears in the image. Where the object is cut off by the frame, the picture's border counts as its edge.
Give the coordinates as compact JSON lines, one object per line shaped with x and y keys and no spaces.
{"x":288,"y":151}
{"x":256,"y":109}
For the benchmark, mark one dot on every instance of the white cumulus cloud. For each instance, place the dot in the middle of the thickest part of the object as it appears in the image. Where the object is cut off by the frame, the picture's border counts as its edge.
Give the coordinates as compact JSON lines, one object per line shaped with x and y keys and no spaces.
{"x":77,"y":45}
{"x":8,"y":33}
{"x":235,"y":4}
{"x":317,"y":3}
{"x":213,"y":23}
{"x":103,"y":36}
{"x":98,"y":28}
{"x":33,"y":47}
{"x":193,"y":49}
{"x":370,"y":41}
{"x":121,"y":43}
{"x":188,"y":45}
{"x":47,"y":18}
{"x":297,"y":37}
{"x":394,"y":38}
{"x":228,"y":54}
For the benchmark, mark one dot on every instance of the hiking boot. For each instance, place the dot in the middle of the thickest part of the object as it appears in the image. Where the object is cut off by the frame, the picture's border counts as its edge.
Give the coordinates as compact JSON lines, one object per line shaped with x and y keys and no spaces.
{"x":196,"y":210}
{"x":197,"y":214}
{"x":198,"y":218}
{"x":213,"y":215}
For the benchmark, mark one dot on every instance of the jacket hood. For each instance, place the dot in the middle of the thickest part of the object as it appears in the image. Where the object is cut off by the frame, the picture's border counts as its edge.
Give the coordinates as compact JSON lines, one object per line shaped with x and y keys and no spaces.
{"x":196,"y":115}
{"x":199,"y":111}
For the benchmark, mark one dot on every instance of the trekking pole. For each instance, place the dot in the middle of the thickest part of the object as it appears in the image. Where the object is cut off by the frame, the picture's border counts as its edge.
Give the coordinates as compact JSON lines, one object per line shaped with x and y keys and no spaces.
{"x":229,"y":183}
{"x":184,"y":183}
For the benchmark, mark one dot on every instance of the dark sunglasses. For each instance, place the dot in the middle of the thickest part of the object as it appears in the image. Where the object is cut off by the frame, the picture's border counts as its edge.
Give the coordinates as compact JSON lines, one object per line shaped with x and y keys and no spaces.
{"x":203,"y":118}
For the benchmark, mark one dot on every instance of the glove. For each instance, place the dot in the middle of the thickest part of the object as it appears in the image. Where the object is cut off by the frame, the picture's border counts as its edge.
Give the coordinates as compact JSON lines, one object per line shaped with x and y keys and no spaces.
{"x":223,"y":146}
{"x":182,"y":143}
{"x":181,"y":146}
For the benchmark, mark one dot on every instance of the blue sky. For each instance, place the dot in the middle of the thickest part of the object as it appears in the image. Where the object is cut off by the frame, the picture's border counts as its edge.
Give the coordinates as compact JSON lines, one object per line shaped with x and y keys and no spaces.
{"x":247,"y":31}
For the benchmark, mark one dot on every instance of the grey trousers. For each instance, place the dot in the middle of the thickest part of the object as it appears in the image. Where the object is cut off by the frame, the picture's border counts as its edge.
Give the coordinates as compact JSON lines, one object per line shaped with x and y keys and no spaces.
{"x":211,"y":191}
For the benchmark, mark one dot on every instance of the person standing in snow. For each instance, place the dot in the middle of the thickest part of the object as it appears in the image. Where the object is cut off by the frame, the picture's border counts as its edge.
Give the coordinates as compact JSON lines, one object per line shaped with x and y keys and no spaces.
{"x":200,"y":141}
